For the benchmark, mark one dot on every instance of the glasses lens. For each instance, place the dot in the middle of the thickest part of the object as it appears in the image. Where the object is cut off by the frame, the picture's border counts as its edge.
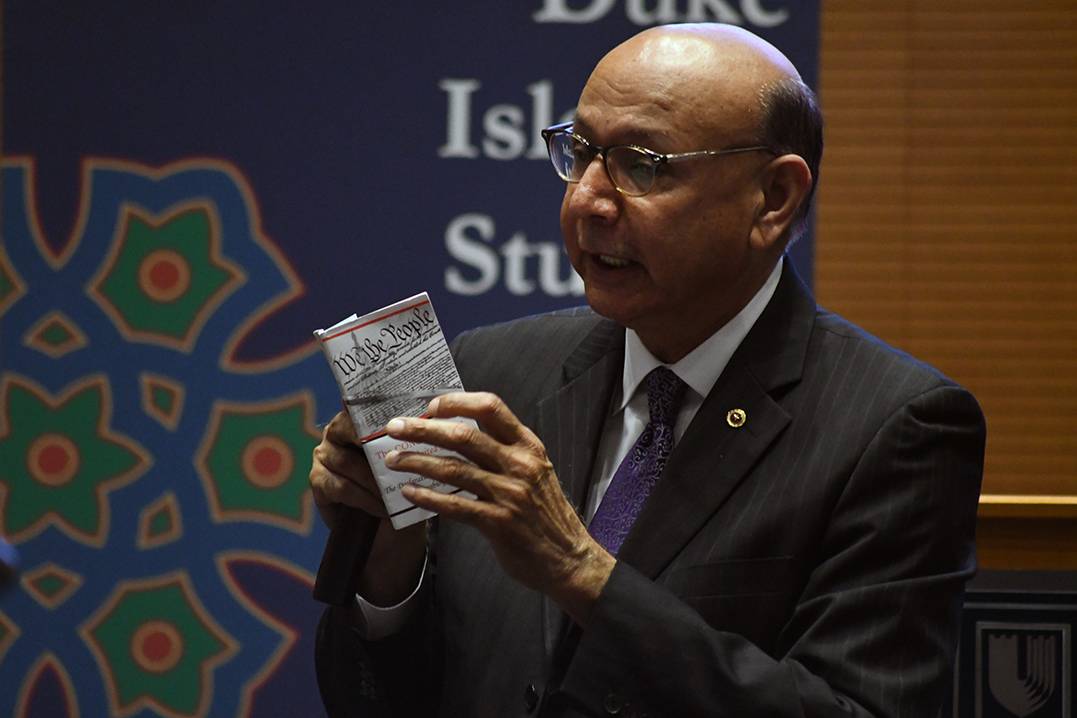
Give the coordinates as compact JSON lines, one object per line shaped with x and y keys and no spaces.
{"x":570,"y":157}
{"x":631,"y":170}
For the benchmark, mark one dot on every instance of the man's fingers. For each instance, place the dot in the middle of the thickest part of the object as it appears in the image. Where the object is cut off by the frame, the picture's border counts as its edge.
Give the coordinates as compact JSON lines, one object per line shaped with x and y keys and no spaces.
{"x":331,"y":488}
{"x":340,"y":474}
{"x":340,"y":430}
{"x":448,"y":470}
{"x":488,"y":410}
{"x":344,"y":459}
{"x":461,"y":437}
{"x":452,"y":506}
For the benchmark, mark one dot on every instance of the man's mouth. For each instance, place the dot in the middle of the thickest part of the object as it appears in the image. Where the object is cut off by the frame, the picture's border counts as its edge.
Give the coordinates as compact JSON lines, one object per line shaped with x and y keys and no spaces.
{"x":616,"y":262}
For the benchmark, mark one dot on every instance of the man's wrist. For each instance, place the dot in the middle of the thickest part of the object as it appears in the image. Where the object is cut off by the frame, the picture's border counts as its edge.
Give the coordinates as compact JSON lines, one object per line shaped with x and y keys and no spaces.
{"x":581,"y":590}
{"x":376,"y":622}
{"x":395,"y":564}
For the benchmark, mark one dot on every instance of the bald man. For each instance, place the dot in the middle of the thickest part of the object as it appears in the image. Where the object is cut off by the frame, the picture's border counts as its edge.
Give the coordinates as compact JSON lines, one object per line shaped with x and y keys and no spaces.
{"x":704,"y":495}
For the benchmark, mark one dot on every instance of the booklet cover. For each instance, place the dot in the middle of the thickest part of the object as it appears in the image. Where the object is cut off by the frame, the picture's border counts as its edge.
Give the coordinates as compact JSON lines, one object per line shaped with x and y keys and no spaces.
{"x":389,"y":363}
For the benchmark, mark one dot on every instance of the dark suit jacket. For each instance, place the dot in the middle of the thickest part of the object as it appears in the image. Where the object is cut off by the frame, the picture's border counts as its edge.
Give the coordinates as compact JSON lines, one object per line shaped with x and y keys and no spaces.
{"x":808,"y":563}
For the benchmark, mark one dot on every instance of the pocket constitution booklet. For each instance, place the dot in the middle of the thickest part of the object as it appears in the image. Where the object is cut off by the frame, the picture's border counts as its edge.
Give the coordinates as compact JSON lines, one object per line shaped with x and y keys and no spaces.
{"x":389,"y":363}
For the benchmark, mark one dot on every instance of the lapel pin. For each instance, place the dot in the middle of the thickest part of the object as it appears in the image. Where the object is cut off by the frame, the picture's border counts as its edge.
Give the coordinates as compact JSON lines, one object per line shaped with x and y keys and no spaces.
{"x":736,"y":418}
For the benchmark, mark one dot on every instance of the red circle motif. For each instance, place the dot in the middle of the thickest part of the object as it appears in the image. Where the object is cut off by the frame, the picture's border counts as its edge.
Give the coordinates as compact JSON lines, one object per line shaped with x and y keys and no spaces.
{"x":267,"y":462}
{"x":156,"y":646}
{"x":52,"y":459}
{"x":164,"y":275}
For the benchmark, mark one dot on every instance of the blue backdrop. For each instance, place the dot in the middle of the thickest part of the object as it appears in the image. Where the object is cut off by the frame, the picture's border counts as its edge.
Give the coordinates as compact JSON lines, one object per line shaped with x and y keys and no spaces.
{"x":188,"y":190}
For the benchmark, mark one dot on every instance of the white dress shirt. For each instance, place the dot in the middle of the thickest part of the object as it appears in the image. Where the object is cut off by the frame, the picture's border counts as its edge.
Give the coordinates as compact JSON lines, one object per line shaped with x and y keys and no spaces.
{"x":699,"y":369}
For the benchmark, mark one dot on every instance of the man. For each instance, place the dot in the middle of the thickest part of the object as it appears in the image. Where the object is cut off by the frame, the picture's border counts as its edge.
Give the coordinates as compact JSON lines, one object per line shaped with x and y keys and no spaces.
{"x":790,"y":538}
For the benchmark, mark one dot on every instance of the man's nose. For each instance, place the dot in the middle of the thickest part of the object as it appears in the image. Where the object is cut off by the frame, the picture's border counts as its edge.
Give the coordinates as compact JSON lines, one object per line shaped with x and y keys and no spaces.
{"x":595,"y":193}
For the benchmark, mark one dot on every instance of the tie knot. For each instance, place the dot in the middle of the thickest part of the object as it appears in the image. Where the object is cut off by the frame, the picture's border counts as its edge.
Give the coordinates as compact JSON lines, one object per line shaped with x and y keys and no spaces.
{"x":664,"y":392}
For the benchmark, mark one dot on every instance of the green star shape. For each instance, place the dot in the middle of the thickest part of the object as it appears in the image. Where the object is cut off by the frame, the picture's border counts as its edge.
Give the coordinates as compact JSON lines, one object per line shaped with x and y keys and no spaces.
{"x":231,"y":496}
{"x":183,"y":686}
{"x":79,"y":506}
{"x":193,"y":234}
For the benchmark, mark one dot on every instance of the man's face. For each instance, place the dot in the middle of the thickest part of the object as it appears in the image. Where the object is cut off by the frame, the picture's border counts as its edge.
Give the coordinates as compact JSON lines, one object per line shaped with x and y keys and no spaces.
{"x":674,"y":263}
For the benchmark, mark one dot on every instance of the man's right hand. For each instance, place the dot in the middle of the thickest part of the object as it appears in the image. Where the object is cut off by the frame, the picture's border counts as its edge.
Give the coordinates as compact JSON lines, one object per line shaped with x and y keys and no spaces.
{"x":340,"y":476}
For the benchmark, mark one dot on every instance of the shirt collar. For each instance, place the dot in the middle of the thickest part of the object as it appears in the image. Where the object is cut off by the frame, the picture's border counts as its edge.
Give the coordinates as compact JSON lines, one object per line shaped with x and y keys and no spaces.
{"x":702,"y":366}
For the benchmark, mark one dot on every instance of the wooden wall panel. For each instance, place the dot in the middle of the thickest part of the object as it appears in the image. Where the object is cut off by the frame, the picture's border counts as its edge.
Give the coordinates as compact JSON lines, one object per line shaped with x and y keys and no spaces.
{"x":947,"y":220}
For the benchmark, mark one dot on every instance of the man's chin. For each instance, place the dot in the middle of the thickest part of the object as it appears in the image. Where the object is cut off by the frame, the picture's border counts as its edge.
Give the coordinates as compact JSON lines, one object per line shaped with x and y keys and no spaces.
{"x":612,"y":307}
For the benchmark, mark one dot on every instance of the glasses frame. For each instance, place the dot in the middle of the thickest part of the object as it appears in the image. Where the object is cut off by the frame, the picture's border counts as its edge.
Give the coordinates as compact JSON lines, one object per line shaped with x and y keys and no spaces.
{"x":657,"y":158}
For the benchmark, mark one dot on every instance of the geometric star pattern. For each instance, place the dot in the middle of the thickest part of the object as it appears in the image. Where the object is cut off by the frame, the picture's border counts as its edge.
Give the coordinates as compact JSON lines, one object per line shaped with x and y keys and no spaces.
{"x":119,"y":362}
{"x":157,"y":647}
{"x":165,"y":275}
{"x":252,"y":461}
{"x":59,"y":459}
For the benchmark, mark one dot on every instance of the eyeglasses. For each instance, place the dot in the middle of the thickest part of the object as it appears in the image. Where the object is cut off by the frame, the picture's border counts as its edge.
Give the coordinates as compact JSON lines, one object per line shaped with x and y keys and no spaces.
{"x":632,"y":169}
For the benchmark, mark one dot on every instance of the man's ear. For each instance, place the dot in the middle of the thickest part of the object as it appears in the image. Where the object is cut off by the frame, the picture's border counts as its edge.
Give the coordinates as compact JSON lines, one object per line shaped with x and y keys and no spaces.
{"x":786,"y":183}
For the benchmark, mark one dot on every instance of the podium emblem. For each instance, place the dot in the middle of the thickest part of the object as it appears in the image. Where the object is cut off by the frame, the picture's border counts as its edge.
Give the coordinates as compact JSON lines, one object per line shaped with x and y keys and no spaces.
{"x":1023,"y":671}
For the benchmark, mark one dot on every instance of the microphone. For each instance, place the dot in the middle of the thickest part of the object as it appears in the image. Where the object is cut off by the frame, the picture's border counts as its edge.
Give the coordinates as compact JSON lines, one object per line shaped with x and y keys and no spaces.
{"x":345,"y":555}
{"x":9,"y":564}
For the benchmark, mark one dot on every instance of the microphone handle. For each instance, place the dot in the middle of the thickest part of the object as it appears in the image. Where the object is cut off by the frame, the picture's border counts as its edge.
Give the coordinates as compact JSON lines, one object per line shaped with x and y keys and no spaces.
{"x":9,"y":564}
{"x":345,"y":555}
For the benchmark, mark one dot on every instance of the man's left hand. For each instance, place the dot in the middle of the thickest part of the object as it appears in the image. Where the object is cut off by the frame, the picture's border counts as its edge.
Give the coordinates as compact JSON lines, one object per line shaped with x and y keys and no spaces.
{"x":536,"y":534}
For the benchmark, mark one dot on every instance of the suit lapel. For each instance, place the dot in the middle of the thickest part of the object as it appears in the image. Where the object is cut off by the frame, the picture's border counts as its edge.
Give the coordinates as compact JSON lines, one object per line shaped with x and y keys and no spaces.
{"x":570,"y":420}
{"x":714,"y":455}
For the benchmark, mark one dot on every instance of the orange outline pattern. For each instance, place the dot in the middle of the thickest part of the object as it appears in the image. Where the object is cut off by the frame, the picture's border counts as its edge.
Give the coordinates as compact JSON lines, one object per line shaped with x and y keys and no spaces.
{"x":149,"y":380}
{"x":12,"y":634}
{"x":145,"y":461}
{"x":43,"y":443}
{"x":19,"y":284}
{"x":183,"y":275}
{"x":32,"y":337}
{"x":167,"y":502}
{"x":73,"y":582}
{"x":148,"y":663}
{"x":180,"y":577}
{"x":249,"y":460}
{"x":220,"y":407}
{"x":90,"y":164}
{"x":288,"y":635}
{"x":129,"y":211}
{"x":57,"y":257}
{"x":55,"y":260}
{"x":46,"y":661}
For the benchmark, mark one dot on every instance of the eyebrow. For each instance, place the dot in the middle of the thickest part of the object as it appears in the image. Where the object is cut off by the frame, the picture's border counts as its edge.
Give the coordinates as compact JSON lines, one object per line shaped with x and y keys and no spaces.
{"x":579,"y":126}
{"x":631,"y":136}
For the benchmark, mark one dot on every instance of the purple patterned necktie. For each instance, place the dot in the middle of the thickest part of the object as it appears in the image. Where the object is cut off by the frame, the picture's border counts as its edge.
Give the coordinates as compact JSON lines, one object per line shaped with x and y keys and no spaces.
{"x":639,"y":472}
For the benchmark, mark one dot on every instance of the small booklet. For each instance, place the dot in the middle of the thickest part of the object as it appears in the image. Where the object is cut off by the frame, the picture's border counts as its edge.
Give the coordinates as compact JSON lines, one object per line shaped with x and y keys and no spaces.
{"x":391,"y":363}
